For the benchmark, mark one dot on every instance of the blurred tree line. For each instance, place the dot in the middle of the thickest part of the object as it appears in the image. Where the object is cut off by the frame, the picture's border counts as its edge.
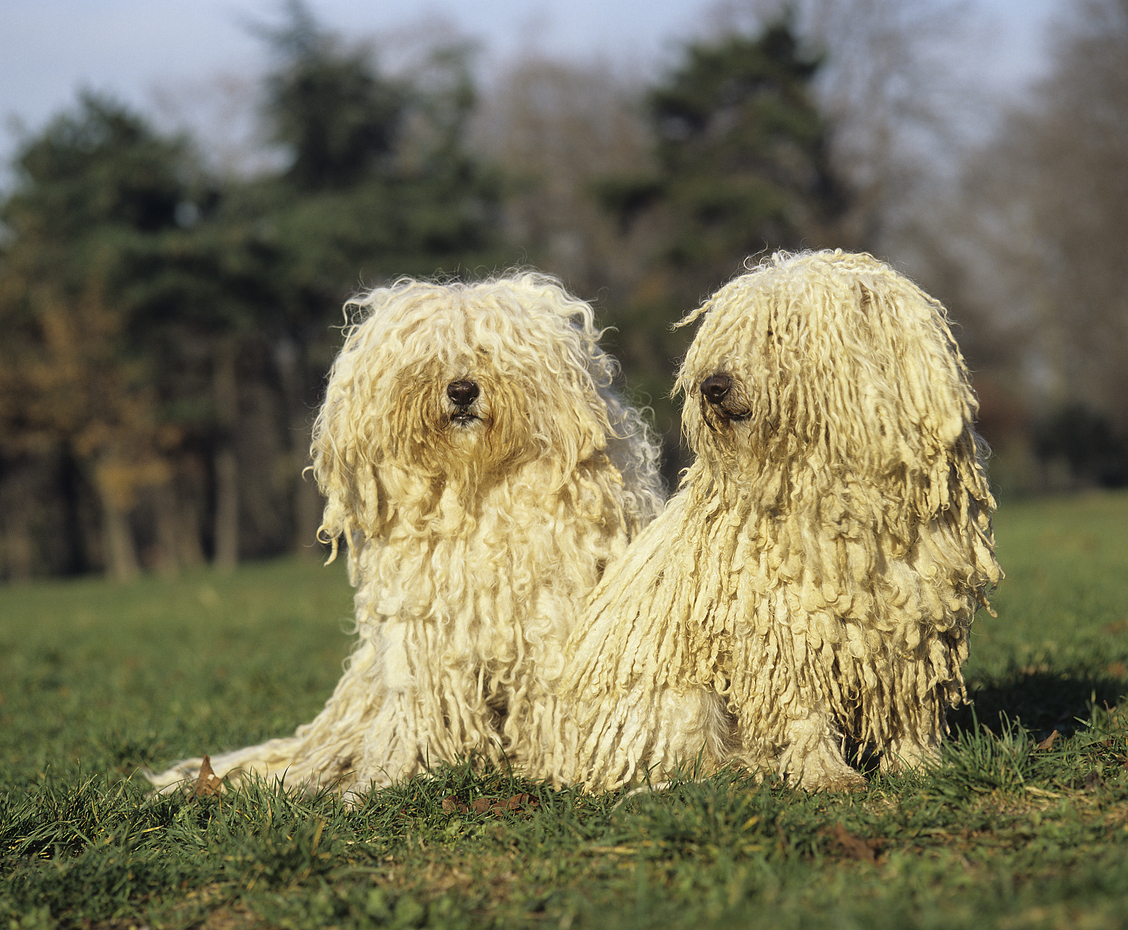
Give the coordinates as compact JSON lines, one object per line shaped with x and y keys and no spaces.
{"x":168,"y":325}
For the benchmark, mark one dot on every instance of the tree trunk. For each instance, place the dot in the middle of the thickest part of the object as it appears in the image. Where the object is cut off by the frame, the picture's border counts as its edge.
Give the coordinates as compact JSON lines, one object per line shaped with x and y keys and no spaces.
{"x":17,"y":546}
{"x":178,"y":530}
{"x":225,"y":463}
{"x":308,"y":505}
{"x":226,"y":553}
{"x":114,"y":483}
{"x":122,"y":563}
{"x":300,"y":392}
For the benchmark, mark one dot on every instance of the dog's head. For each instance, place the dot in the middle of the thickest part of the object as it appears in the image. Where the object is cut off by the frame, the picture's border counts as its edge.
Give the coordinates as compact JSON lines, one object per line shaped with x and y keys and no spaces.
{"x":447,"y":388}
{"x":824,"y":361}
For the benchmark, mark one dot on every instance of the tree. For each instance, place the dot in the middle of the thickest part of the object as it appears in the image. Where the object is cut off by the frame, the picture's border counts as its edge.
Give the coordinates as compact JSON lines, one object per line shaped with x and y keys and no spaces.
{"x":741,"y":166}
{"x":97,"y":192}
{"x":377,"y":183}
{"x":1076,"y":183}
{"x":742,"y":156}
{"x":335,"y":115}
{"x":169,"y":329}
{"x":1043,"y":219}
{"x":556,"y":129}
{"x":899,"y":107}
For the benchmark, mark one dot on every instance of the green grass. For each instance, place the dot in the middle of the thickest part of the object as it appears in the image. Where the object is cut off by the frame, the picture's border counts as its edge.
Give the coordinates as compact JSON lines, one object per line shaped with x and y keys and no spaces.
{"x":1016,"y":829}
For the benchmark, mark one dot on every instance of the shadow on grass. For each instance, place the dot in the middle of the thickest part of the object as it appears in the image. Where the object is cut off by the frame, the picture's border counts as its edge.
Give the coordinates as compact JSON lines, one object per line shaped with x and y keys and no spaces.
{"x":1041,"y":699}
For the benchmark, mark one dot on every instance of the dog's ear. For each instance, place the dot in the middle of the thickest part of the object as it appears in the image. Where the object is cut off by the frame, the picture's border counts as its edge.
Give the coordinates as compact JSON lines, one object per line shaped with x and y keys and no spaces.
{"x":335,"y":469}
{"x":588,"y":418}
{"x":343,"y":442}
{"x":926,"y":402}
{"x":567,"y":424}
{"x":556,"y":377}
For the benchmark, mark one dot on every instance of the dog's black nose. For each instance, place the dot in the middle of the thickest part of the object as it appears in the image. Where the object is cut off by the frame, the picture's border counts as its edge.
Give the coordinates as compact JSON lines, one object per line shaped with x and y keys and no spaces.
{"x":715,"y":388}
{"x":463,"y":393}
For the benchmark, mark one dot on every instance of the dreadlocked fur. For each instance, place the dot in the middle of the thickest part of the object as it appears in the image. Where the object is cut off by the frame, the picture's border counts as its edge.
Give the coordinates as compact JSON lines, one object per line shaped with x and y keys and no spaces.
{"x":482,"y":472}
{"x":814,"y":578}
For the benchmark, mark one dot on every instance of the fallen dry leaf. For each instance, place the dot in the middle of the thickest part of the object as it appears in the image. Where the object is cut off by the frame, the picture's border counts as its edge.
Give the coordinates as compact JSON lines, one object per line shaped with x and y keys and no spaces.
{"x":207,"y":784}
{"x":1048,"y":742}
{"x":853,"y":847}
{"x":517,"y":802}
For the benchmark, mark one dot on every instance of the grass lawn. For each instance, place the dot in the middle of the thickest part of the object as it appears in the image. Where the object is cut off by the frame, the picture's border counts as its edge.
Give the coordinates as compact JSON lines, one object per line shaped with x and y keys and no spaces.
{"x":1024,"y":825}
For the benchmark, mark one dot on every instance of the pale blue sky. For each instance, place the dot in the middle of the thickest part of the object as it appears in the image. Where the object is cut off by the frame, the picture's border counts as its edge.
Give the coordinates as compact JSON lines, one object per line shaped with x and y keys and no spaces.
{"x":135,"y":49}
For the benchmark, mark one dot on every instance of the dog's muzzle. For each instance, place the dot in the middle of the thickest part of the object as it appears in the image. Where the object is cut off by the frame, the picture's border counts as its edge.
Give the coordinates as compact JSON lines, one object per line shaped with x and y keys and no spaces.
{"x":716,"y":388}
{"x":462,"y":394}
{"x":717,"y":391}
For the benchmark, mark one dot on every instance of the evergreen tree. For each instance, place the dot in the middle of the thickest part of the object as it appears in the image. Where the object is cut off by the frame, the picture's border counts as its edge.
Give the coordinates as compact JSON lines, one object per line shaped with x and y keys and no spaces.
{"x":84,"y":284}
{"x":741,"y":168}
{"x":329,"y":107}
{"x":742,"y":158}
{"x":377,"y":183}
{"x":166,"y":332}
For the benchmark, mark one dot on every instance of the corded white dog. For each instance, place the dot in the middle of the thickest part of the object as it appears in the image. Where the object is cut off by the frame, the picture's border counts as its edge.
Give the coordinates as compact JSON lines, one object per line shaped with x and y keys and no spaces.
{"x":815,"y":576}
{"x":483,"y":472}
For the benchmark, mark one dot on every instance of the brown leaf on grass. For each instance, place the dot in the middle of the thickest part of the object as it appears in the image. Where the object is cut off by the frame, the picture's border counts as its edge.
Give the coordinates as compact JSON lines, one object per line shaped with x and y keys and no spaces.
{"x":494,"y":806}
{"x":1048,"y":742}
{"x":853,"y":847}
{"x":515,"y":803}
{"x":207,"y":784}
